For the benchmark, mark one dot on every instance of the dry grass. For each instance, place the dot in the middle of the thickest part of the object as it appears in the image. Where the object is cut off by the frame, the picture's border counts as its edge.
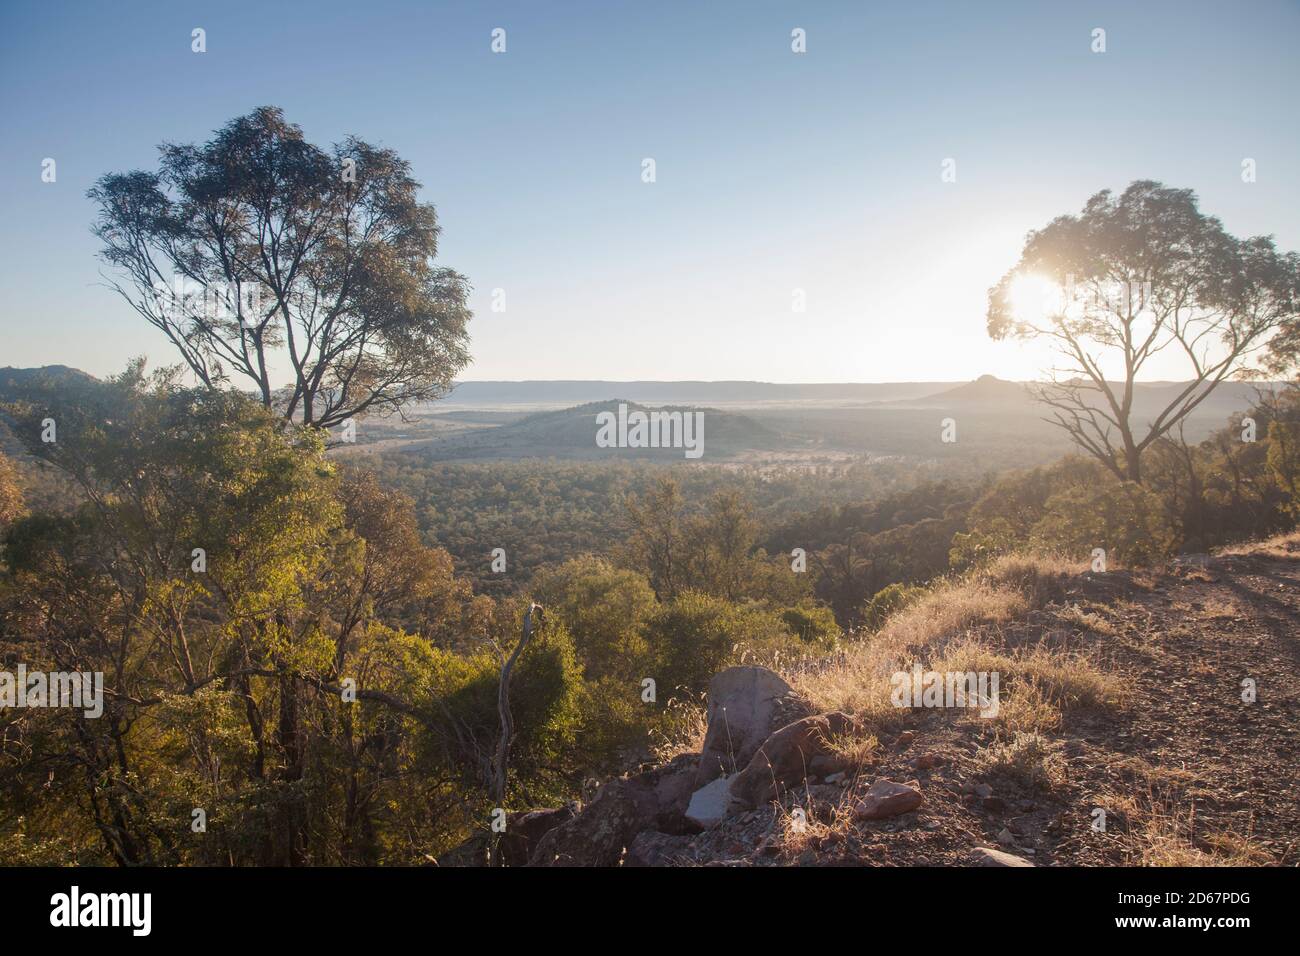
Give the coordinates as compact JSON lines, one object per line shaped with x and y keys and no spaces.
{"x":855,"y":752}
{"x":1028,"y":758}
{"x":1087,"y":620}
{"x":799,"y":828}
{"x":1220,"y":610}
{"x":681,"y":731}
{"x":858,"y":681}
{"x":1028,"y":710}
{"x":947,"y":627}
{"x":1282,"y":546}
{"x":1062,"y":679}
{"x":1160,"y":834}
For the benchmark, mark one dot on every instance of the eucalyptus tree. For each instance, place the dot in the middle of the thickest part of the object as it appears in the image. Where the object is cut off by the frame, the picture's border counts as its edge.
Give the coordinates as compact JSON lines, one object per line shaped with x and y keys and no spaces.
{"x":263,"y":258}
{"x":1134,"y":276}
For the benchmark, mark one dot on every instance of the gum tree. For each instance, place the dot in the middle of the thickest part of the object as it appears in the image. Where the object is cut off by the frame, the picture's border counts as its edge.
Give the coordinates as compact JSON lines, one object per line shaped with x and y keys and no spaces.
{"x":259,"y":255}
{"x":1131,"y":277}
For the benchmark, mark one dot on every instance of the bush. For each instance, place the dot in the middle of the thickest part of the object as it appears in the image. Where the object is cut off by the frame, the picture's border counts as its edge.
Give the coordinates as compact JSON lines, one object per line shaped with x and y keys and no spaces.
{"x":603,"y":608}
{"x":886,"y":602}
{"x":813,"y":624}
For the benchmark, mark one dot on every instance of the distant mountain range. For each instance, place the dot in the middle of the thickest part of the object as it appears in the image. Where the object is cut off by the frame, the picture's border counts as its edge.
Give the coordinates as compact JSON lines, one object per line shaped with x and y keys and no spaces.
{"x":989,"y":393}
{"x":987,"y":390}
{"x":1000,"y":421}
{"x":581,"y":392}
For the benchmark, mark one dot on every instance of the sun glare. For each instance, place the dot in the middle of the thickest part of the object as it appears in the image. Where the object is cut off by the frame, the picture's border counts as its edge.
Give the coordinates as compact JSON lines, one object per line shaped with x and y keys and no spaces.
{"x":1034,"y":297}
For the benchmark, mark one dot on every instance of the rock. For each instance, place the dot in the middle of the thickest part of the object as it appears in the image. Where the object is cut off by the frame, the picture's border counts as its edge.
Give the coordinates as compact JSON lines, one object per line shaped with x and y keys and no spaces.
{"x":824,"y":764}
{"x":905,"y":739}
{"x":710,"y":804}
{"x":745,"y":706}
{"x":928,"y":762}
{"x":885,"y":798}
{"x":1006,"y":837}
{"x":986,"y":856}
{"x":525,"y":830}
{"x":838,"y":779}
{"x":993,"y":804}
{"x":652,"y":848}
{"x":782,"y":760}
{"x":672,"y":791}
{"x":596,"y":836}
{"x":983,"y":791}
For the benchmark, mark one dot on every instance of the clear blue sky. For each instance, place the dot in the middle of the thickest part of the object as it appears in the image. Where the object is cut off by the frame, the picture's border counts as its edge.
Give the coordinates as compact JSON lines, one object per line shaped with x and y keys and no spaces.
{"x":776,"y":171}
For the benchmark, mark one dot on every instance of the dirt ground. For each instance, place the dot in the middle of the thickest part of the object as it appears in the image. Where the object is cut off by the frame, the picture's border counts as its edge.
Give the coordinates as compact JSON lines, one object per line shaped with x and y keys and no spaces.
{"x":1186,"y":771}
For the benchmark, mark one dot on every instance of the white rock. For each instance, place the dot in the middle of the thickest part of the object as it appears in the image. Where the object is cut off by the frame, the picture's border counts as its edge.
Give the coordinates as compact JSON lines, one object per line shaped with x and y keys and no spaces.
{"x":710,"y":803}
{"x":986,"y":856}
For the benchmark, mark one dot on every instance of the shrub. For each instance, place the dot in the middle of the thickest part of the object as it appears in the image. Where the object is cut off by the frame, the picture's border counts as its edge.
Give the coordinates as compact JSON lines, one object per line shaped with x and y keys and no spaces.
{"x":886,"y":602}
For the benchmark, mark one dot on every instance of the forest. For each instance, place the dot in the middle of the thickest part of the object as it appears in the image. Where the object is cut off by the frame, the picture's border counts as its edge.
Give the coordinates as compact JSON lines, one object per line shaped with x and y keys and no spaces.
{"x":304,"y":652}
{"x":308,"y":652}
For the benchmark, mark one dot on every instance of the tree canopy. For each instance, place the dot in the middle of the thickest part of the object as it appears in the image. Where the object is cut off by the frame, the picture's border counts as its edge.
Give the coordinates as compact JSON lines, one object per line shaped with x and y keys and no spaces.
{"x":258,"y":254}
{"x":1134,"y":276}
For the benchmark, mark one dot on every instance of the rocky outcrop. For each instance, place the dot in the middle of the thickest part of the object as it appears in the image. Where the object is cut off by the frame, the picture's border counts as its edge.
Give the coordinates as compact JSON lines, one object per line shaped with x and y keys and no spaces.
{"x":652,"y":848}
{"x":783,"y":759}
{"x":755,"y":723}
{"x":655,"y":800}
{"x":745,"y":705}
{"x":524,"y":831}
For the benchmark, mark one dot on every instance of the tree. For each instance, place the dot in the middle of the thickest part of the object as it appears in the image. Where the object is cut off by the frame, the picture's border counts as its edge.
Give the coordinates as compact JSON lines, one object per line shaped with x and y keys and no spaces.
{"x":603,"y":607}
{"x":258,"y":252}
{"x":657,"y":540}
{"x":384,"y":571}
{"x":720,"y":543}
{"x":1129,"y":278}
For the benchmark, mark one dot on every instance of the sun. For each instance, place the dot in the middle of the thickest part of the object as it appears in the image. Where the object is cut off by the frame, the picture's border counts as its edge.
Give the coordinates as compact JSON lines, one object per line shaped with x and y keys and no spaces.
{"x":1033,"y":297}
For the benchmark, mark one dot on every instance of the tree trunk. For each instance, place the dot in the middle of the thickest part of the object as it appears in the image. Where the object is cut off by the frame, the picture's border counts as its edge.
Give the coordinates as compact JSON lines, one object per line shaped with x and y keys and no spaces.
{"x":501,"y":762}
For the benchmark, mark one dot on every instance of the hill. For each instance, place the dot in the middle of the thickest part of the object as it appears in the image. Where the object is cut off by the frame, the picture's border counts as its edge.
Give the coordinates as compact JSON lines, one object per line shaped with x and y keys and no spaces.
{"x":17,"y":382}
{"x":985,"y":390}
{"x":1143,"y":719}
{"x":990,"y":395}
{"x":571,"y":433}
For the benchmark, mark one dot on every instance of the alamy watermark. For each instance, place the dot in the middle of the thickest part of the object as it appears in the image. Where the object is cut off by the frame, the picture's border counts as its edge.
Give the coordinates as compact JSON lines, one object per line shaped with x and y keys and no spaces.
{"x":76,"y":689}
{"x":977,"y":690}
{"x":657,"y":429}
{"x":75,"y":908}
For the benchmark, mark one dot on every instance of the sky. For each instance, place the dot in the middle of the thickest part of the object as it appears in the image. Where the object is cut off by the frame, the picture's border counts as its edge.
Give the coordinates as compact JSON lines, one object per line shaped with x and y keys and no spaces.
{"x":775,"y":171}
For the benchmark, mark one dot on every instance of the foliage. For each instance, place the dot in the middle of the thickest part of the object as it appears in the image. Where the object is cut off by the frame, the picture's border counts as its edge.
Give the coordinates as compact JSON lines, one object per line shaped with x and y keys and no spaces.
{"x":888,"y":601}
{"x":258,"y":251}
{"x":1136,"y":275}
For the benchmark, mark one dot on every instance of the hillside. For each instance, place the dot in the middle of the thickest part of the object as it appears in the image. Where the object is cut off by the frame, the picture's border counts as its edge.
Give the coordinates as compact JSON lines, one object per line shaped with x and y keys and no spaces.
{"x":18,"y":382}
{"x":1121,"y":701}
{"x":994,"y":397}
{"x":571,"y":433}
